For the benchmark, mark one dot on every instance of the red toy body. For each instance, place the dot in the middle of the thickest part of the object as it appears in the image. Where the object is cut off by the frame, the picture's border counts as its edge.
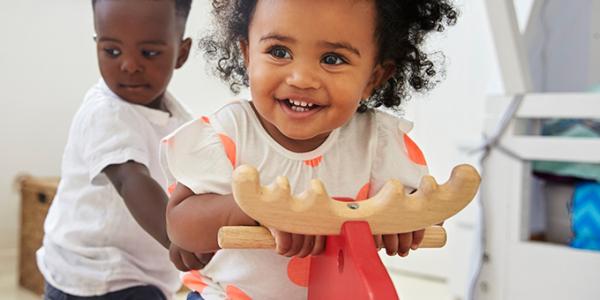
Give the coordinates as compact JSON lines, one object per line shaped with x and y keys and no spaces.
{"x":350,"y":268}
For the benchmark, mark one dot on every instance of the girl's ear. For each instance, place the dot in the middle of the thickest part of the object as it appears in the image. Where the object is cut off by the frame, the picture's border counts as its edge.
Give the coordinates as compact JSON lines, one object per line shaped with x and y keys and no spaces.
{"x":245,"y":54}
{"x":184,"y":52}
{"x":381,"y":74}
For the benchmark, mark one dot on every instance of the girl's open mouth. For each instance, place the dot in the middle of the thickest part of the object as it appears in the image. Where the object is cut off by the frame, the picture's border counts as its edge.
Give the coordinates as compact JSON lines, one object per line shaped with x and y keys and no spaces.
{"x":299,"y":106}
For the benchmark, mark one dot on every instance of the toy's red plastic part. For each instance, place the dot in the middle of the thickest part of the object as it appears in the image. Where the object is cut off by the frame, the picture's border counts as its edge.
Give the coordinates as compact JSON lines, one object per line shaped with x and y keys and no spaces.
{"x":350,"y":268}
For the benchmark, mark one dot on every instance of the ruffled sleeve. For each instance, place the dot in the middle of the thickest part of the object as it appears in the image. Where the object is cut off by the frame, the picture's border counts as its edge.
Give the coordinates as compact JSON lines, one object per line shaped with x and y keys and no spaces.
{"x":199,"y":157}
{"x":396,"y":155}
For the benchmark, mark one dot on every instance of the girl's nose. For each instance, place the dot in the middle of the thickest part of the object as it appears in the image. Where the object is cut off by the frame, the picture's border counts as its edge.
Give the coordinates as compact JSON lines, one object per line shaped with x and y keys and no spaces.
{"x":130,"y":65}
{"x":303,"y":77}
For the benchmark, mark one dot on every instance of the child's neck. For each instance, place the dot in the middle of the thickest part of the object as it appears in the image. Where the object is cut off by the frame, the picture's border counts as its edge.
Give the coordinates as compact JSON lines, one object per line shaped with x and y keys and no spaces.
{"x":298,"y":146}
{"x":159,"y":104}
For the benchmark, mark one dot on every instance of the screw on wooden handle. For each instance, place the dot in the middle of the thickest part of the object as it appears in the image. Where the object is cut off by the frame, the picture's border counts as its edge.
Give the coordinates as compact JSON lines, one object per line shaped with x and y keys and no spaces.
{"x":258,"y":237}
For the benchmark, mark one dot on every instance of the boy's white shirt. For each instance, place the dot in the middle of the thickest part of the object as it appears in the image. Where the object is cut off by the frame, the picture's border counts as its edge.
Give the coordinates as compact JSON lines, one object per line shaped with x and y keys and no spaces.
{"x":370,"y":148}
{"x":92,"y":244}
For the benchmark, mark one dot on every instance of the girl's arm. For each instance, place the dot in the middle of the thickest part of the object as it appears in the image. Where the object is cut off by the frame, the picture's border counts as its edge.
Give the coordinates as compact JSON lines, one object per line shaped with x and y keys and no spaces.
{"x":193,"y":220}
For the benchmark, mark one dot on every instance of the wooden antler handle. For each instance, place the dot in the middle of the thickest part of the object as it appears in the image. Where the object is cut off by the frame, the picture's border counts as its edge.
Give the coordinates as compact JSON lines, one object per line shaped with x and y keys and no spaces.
{"x":390,"y":210}
{"x":258,"y":237}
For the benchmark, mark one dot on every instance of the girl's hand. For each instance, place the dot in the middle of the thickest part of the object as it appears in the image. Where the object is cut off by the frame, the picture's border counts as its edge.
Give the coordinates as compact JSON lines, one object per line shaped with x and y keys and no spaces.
{"x":401,"y":243}
{"x":290,"y":244}
{"x":186,"y":261}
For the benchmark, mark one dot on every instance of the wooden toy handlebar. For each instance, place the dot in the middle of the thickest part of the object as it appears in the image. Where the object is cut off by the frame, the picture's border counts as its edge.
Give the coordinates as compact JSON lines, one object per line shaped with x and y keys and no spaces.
{"x":259,"y":237}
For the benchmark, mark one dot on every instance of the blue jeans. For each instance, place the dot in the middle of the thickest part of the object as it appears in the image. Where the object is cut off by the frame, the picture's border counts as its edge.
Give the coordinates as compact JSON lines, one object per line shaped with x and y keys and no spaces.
{"x":194,"y":296}
{"x":143,"y":292}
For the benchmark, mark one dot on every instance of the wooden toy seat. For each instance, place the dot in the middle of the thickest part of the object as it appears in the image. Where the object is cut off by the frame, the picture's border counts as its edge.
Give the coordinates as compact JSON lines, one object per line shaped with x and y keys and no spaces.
{"x":350,"y":268}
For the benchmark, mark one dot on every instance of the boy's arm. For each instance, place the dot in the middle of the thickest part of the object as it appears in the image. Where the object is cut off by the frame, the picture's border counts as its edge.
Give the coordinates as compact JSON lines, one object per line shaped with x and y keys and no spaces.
{"x":193,"y":220}
{"x":144,"y":197}
{"x":147,"y":203}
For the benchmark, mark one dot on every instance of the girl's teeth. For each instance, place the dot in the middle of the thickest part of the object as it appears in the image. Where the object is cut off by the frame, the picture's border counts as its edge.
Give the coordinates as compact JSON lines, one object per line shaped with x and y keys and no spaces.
{"x":300,"y":103}
{"x":299,"y":109}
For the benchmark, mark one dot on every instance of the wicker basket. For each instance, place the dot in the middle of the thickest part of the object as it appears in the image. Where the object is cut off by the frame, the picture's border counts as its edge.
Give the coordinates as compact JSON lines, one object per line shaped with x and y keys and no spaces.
{"x":36,"y":196}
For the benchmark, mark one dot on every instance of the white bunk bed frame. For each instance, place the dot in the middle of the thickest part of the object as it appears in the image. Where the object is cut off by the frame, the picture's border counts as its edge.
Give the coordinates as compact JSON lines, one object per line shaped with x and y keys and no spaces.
{"x":513,"y":266}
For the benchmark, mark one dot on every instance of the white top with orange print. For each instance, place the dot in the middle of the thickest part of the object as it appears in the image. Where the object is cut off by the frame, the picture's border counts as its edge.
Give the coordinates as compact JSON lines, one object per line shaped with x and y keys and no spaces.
{"x":353,"y":162}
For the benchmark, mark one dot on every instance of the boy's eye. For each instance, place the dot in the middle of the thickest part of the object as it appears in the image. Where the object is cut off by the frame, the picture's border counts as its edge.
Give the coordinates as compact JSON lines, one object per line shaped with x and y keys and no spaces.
{"x":333,"y":59}
{"x":150,"y":53}
{"x":280,"y":52}
{"x":112,"y":52}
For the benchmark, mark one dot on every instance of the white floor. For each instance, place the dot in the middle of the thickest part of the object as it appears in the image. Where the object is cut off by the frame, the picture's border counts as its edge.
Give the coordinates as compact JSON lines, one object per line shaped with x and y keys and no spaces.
{"x":409,"y":287}
{"x":8,"y":278}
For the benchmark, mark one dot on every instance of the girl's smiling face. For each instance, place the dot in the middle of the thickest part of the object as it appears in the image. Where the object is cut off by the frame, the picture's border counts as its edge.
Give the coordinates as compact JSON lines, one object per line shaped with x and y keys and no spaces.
{"x":309,"y":64}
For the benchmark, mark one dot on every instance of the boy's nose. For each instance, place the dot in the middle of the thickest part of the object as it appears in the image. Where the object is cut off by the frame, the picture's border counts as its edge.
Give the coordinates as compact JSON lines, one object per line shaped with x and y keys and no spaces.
{"x":303,"y":77}
{"x":130,"y":65}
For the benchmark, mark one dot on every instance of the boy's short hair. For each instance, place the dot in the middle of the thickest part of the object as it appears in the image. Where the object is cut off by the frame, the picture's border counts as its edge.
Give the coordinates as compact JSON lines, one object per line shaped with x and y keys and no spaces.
{"x":182,"y":7}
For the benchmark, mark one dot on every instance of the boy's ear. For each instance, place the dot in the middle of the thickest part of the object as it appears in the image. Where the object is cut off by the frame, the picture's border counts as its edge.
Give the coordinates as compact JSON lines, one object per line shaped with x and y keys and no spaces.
{"x":244,"y":48}
{"x":381,"y":74}
{"x":184,"y":52}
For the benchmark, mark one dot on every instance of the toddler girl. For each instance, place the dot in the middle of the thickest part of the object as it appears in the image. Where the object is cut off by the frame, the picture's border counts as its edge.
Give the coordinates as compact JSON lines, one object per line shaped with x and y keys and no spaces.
{"x":316,"y":71}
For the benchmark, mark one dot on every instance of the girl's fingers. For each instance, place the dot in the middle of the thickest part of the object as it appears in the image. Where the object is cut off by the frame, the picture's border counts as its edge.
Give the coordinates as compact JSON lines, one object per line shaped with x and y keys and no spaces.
{"x":405,"y":241}
{"x":307,"y":246}
{"x":417,"y":239}
{"x":319,"y":245}
{"x":378,"y":241}
{"x":390,"y":241}
{"x":297,"y":241}
{"x":283,"y":241}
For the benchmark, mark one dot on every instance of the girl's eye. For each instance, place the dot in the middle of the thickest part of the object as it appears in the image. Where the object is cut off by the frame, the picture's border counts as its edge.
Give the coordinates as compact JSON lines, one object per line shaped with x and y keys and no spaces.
{"x":112,"y":52}
{"x":333,"y":59}
{"x":150,"y":53}
{"x":280,"y":52}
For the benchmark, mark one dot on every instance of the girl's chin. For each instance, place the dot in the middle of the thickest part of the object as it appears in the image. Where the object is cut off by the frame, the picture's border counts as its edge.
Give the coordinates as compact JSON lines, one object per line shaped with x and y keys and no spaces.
{"x":304,"y":136}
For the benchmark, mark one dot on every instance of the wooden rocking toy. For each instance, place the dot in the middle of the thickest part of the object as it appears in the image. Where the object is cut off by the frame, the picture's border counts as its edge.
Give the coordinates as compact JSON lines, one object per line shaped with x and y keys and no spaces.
{"x":350,"y":267}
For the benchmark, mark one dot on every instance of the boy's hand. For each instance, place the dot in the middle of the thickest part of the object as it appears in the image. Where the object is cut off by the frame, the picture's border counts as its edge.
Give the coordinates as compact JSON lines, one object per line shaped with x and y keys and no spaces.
{"x":290,"y":244}
{"x":401,"y":243}
{"x":186,"y":261}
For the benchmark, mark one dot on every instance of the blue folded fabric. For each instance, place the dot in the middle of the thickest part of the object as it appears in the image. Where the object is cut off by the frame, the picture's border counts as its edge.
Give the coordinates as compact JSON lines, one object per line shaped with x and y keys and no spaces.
{"x":587,"y":128}
{"x":570,"y":128}
{"x":585,"y":216}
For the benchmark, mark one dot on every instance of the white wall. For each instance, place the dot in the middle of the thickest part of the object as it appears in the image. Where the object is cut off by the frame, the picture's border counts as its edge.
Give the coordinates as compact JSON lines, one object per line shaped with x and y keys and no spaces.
{"x":47,"y":62}
{"x":448,"y":122}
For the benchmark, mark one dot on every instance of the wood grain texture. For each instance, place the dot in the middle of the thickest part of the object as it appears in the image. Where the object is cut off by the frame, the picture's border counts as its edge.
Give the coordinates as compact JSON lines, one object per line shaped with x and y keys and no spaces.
{"x":258,"y":237}
{"x":390,"y":211}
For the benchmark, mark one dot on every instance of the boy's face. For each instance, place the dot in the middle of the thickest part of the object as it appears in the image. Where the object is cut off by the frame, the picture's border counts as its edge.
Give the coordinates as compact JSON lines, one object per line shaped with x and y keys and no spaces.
{"x":139,"y":45}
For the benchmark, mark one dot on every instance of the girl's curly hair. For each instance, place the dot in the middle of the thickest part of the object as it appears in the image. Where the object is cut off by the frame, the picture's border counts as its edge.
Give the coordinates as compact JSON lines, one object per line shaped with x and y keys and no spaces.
{"x":402,"y":26}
